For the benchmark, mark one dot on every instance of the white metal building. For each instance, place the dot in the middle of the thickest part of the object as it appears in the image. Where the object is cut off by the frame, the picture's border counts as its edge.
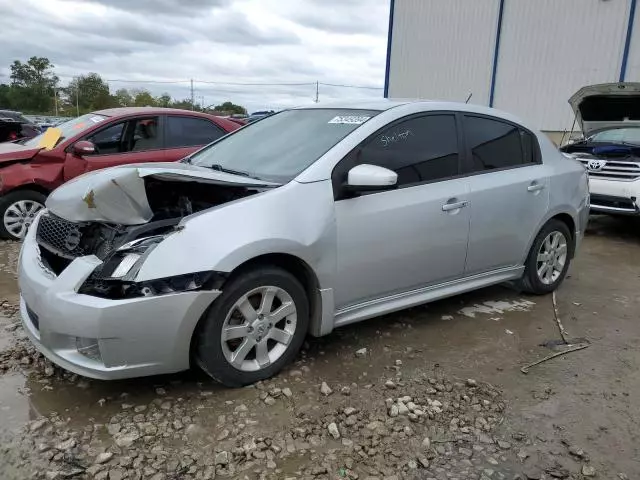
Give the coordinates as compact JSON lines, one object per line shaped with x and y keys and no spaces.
{"x":523,"y":56}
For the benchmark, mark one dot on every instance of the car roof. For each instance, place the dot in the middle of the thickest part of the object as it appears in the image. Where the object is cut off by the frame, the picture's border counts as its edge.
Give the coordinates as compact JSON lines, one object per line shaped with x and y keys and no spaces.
{"x":117,"y":112}
{"x":383,"y":104}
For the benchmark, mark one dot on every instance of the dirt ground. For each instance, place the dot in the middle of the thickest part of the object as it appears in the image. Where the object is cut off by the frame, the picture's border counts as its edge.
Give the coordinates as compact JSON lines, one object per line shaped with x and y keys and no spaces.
{"x":339,"y":411}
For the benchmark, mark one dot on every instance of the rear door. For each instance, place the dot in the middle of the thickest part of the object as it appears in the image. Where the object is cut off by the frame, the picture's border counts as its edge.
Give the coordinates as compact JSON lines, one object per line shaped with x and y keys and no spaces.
{"x":509,"y":192}
{"x":184,"y":135}
{"x":132,"y":140}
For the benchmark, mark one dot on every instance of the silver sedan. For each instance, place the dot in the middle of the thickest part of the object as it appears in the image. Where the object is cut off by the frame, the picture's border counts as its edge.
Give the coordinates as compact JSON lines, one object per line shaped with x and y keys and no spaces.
{"x":308,"y":220}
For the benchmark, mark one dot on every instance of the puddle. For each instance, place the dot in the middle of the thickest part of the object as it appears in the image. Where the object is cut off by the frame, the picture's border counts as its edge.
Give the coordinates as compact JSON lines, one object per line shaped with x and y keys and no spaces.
{"x":14,"y":403}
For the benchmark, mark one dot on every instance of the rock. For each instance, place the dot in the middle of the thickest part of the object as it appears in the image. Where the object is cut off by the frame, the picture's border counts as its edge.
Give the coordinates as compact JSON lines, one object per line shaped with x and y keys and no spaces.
{"x":588,"y":471}
{"x":465,"y":452}
{"x":426,"y":443}
{"x":270,"y":401}
{"x":103,"y":457}
{"x":402,"y":409}
{"x":66,"y":445}
{"x":394,"y":411}
{"x":345,"y":391}
{"x":333,"y":430}
{"x":361,"y":353}
{"x":127,"y":439}
{"x":222,"y":458}
{"x":349,"y":411}
{"x":412,"y":464}
{"x":492,"y":461}
{"x":577,"y":451}
{"x":53,"y":475}
{"x":325,"y":389}
{"x":436,"y":404}
{"x":287,"y":392}
{"x":390,"y":385}
{"x":471,"y":383}
{"x":295,"y":373}
{"x":116,"y":474}
{"x":424,"y":461}
{"x":37,"y":425}
{"x":533,"y":474}
{"x":140,"y":408}
{"x":522,"y":454}
{"x":271,"y":464}
{"x":351,"y":420}
{"x":241,"y":408}
{"x":161,"y":391}
{"x":223,"y":435}
{"x":504,"y":445}
{"x":398,"y":363}
{"x":347,"y":443}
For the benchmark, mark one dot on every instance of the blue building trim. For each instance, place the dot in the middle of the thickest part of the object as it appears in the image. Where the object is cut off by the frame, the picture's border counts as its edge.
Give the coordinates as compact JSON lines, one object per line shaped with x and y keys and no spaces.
{"x":627,"y":42}
{"x":389,"y":38}
{"x":496,"y":53}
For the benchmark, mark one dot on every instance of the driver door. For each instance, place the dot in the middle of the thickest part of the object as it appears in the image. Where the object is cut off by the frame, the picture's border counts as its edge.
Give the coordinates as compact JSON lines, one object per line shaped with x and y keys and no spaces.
{"x":136,"y":140}
{"x":414,"y":236}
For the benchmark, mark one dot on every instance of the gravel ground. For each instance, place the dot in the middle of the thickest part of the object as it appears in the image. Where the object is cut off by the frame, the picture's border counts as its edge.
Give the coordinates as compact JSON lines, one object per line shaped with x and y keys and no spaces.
{"x":388,"y":399}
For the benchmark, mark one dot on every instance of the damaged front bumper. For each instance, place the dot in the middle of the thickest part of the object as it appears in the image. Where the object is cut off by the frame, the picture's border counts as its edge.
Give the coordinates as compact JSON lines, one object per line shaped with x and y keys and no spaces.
{"x":98,"y":337}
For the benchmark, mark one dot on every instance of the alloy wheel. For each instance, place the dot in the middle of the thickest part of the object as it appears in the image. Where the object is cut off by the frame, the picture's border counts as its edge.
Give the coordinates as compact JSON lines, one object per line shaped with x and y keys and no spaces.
{"x":552,"y":258}
{"x":19,"y":216}
{"x":258,"y":328}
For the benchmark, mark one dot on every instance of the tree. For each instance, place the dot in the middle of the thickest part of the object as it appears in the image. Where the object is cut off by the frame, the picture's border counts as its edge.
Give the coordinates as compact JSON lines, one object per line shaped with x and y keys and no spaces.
{"x":231,"y":108}
{"x":33,"y":84}
{"x":123,"y":98}
{"x":142,"y":98}
{"x":183,"y":104}
{"x":92,"y":93}
{"x":164,"y":100}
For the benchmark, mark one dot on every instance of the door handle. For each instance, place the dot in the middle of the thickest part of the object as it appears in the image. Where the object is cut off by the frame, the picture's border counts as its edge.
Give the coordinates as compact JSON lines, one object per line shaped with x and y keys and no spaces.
{"x":535,"y":187}
{"x":447,"y":207}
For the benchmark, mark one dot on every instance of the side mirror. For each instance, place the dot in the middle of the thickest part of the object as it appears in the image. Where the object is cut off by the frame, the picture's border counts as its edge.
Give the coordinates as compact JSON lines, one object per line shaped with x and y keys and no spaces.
{"x":83,"y":147}
{"x":368,"y":177}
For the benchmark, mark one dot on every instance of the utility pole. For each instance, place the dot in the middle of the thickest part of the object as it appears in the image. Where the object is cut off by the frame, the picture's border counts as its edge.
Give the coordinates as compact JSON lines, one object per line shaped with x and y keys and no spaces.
{"x":317,"y":91}
{"x":77,"y":98}
{"x":192,"y":98}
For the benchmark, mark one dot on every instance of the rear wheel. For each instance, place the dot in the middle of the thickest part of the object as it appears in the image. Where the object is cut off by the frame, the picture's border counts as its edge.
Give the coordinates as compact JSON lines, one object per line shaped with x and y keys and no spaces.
{"x":549,"y":258}
{"x":254,"y":328}
{"x":17,"y":211}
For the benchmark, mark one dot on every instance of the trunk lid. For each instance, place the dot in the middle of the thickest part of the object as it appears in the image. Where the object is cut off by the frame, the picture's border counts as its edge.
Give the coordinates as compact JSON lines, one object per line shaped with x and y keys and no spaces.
{"x":606,"y":105}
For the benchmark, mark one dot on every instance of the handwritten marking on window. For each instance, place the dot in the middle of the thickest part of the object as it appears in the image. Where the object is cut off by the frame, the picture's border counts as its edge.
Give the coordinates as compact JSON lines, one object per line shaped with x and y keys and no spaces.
{"x":395,"y":137}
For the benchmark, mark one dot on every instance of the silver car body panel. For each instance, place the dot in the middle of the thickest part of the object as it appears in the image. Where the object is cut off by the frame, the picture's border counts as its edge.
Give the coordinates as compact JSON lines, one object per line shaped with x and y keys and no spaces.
{"x":370,"y":255}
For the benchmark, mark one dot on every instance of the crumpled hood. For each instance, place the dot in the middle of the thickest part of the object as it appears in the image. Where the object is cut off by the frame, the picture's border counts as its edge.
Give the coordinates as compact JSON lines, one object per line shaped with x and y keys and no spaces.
{"x":10,"y":152}
{"x":117,"y":195}
{"x":606,"y":105}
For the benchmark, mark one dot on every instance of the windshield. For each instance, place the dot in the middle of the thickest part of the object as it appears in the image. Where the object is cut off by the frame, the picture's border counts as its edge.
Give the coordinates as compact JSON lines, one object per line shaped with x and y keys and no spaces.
{"x":70,"y":128}
{"x":279,"y":147}
{"x":618,"y":135}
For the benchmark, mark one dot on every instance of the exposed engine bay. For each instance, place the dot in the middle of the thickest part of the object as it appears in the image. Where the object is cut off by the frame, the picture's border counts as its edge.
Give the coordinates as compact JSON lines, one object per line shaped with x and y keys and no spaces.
{"x":62,"y":240}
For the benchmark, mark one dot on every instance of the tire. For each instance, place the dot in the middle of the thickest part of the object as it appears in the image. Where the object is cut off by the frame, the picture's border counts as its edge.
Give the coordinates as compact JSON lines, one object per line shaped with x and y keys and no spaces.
{"x":13,"y":225}
{"x":532,"y":281}
{"x":247,"y":292}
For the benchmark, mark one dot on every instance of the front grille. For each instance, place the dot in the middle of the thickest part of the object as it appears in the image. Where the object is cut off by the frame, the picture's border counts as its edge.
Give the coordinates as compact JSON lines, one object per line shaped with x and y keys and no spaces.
{"x":60,"y":236}
{"x":613,"y":169}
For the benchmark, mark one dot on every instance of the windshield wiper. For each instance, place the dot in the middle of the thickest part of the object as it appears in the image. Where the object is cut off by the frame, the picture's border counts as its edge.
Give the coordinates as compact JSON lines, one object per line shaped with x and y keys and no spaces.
{"x":220,"y":168}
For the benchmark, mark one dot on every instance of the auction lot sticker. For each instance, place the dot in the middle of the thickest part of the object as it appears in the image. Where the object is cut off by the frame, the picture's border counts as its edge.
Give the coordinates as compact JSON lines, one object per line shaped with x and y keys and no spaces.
{"x":349,"y":119}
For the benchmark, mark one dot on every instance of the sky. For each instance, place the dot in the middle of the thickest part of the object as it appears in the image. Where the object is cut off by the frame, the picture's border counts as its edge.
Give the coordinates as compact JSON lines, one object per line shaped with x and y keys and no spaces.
{"x":235,"y":41}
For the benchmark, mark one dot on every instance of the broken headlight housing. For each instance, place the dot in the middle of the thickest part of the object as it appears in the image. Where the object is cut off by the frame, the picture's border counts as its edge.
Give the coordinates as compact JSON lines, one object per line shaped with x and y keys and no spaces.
{"x":115,"y":278}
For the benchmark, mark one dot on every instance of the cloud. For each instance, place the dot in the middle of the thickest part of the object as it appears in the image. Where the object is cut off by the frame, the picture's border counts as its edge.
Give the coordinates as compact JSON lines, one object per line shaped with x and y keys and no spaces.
{"x":222,"y":41}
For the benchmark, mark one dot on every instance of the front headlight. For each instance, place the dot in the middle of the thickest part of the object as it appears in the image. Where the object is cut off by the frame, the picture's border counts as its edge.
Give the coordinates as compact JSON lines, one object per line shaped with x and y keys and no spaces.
{"x":115,"y":278}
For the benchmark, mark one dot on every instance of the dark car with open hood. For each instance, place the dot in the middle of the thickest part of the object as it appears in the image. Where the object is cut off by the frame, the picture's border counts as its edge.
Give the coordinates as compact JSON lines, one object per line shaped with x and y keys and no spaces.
{"x":31,"y":168}
{"x":14,"y":126}
{"x":609,"y":117}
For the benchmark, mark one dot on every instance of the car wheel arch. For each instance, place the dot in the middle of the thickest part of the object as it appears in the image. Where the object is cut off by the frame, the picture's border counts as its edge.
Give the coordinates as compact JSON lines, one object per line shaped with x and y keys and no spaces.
{"x":562,"y":214}
{"x":295,"y":265}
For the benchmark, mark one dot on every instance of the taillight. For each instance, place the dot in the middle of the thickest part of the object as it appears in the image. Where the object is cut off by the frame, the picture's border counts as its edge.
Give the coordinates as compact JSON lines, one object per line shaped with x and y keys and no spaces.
{"x":13,"y":136}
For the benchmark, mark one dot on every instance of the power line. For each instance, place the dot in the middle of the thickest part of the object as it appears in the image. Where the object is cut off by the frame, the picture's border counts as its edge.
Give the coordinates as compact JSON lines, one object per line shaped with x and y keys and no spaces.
{"x":350,"y":86}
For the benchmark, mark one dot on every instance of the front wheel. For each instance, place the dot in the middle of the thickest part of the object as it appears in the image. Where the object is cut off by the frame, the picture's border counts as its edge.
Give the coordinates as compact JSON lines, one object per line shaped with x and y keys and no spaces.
{"x":254,"y":328}
{"x":549,"y":258}
{"x":17,"y":211}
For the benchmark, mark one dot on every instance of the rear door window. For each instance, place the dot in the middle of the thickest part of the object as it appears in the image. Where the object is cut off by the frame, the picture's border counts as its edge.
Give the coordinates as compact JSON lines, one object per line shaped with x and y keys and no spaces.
{"x":190,"y":132}
{"x":495,"y":145}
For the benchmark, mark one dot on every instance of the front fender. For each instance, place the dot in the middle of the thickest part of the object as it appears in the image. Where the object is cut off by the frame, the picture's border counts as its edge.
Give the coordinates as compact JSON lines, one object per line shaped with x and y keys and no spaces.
{"x":295,"y":219}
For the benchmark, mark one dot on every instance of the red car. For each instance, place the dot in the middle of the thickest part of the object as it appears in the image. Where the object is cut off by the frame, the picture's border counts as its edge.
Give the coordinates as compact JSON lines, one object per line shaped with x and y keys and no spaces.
{"x":106,"y":138}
